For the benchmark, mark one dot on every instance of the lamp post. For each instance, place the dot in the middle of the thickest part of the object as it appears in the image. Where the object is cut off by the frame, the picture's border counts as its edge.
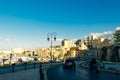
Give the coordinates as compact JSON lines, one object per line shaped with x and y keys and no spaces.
{"x":51,"y":37}
{"x":11,"y":55}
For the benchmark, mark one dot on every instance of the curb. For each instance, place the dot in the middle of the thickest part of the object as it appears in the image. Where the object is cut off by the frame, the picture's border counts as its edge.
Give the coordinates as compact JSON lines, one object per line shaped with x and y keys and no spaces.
{"x":46,"y":68}
{"x":111,"y":71}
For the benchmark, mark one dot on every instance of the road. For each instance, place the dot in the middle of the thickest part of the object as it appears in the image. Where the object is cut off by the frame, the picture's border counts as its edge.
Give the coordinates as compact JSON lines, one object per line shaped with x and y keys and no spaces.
{"x":58,"y":73}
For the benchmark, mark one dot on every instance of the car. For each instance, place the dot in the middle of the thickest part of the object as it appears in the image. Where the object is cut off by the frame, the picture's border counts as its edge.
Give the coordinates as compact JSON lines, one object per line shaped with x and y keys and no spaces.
{"x":69,"y":63}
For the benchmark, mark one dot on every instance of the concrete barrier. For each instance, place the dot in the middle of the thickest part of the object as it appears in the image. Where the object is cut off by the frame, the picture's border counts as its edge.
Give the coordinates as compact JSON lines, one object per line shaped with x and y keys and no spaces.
{"x":114,"y":69}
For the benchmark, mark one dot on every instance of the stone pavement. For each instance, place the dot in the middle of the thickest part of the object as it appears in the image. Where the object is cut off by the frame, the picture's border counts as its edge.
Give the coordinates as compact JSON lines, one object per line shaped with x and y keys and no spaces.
{"x":31,"y":74}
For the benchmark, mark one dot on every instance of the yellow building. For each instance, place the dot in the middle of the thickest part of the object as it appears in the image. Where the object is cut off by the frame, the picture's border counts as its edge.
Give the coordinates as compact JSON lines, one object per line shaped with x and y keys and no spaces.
{"x":66,"y":43}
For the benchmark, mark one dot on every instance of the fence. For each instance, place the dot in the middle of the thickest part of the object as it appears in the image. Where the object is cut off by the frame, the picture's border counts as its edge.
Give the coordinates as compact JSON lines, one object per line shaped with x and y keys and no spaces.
{"x":14,"y":68}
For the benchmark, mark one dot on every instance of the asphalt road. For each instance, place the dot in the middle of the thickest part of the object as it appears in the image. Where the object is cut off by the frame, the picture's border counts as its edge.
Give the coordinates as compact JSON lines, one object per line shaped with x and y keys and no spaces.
{"x":59,"y":73}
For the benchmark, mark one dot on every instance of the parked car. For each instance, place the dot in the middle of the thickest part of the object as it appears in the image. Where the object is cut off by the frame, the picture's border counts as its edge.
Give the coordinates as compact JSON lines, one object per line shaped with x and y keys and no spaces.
{"x":69,"y":63}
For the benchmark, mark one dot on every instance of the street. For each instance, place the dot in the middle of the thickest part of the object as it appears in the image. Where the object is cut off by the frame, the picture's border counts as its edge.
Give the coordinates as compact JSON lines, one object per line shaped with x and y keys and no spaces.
{"x":58,"y":73}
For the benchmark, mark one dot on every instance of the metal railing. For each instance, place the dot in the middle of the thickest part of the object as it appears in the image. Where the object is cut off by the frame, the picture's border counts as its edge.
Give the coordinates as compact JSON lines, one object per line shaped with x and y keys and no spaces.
{"x":15,"y":68}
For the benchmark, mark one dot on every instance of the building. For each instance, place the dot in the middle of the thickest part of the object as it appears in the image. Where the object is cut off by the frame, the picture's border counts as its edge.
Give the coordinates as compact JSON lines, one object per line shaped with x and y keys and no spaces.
{"x":100,"y":42}
{"x":109,"y":53}
{"x":66,"y":43}
{"x":89,"y":42}
{"x":18,"y":50}
{"x":81,"y":44}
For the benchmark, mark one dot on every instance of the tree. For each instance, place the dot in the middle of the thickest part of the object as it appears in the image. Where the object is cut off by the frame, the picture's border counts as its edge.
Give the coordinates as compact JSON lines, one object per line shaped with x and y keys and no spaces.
{"x":69,"y":54}
{"x":60,"y":55}
{"x":117,"y":37}
{"x":78,"y":42}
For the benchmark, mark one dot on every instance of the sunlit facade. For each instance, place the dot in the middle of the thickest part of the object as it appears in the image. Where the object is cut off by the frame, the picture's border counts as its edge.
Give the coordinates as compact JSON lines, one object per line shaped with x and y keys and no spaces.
{"x":66,"y":43}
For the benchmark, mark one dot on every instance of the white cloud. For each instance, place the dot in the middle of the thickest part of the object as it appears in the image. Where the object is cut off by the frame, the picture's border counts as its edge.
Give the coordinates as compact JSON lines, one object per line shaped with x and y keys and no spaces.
{"x":118,"y":28}
{"x":105,"y":34}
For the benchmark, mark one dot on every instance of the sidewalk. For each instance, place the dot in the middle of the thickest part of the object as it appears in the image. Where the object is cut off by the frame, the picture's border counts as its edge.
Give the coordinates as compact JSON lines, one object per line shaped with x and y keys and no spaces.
{"x":31,"y":74}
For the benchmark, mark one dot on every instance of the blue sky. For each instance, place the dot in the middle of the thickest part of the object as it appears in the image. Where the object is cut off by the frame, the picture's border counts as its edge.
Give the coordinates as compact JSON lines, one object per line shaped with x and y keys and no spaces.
{"x":25,"y":23}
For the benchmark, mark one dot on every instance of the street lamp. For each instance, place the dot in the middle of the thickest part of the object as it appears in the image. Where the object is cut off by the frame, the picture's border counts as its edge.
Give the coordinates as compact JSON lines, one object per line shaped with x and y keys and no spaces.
{"x":11,"y":55}
{"x":51,"y":37}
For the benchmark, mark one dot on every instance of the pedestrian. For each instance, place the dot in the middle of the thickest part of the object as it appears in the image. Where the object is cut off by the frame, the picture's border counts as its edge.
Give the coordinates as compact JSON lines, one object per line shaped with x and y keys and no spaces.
{"x":92,"y":64}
